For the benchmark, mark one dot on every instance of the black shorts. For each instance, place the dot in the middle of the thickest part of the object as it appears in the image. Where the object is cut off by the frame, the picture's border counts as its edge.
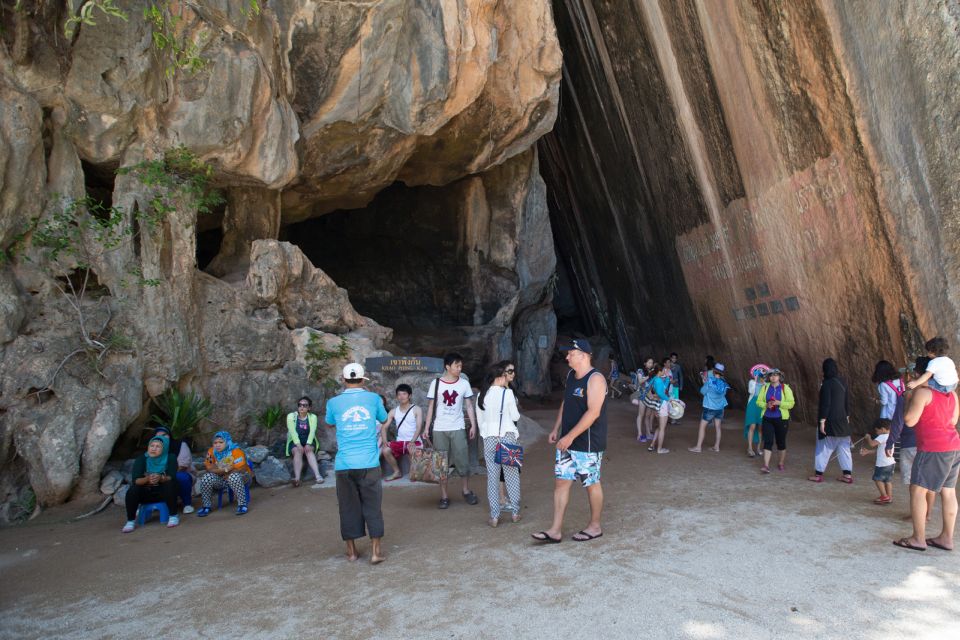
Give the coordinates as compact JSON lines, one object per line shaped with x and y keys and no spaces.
{"x":775,"y":429}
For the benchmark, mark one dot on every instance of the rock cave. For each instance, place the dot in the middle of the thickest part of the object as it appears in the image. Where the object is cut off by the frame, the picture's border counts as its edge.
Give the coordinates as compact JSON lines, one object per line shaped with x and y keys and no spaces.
{"x":756,"y":180}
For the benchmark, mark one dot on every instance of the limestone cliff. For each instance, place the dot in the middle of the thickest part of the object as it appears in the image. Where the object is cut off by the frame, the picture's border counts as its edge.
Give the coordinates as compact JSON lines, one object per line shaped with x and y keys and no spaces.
{"x":761,"y":181}
{"x":302,"y":109}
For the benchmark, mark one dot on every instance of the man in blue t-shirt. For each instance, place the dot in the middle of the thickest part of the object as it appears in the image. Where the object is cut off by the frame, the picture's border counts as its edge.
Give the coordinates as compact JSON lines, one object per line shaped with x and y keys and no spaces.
{"x":355,"y":414}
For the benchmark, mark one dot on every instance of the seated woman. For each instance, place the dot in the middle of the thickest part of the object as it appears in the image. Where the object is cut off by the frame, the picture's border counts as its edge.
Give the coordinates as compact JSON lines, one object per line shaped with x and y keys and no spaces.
{"x":409,"y":421}
{"x":228,"y":468}
{"x":302,"y":440}
{"x":185,"y":471}
{"x":154,"y":480}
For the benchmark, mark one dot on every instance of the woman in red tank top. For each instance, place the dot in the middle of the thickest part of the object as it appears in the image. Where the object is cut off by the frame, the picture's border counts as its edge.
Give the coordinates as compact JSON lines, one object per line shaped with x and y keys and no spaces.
{"x":935,"y":469}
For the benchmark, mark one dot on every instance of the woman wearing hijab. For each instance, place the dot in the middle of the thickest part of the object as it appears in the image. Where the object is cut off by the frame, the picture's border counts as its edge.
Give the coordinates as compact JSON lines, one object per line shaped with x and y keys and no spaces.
{"x":833,"y":430}
{"x":185,"y":471}
{"x":776,"y":400}
{"x":154,"y":480}
{"x":228,"y":468}
{"x":497,"y":417}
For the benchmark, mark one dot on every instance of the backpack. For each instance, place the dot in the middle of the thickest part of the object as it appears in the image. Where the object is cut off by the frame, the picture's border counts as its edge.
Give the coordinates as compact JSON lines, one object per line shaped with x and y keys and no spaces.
{"x":896,"y":420}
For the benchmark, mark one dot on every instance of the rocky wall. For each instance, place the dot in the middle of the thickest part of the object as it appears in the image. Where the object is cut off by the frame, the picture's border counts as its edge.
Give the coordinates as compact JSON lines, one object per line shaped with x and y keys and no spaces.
{"x":300,"y":110}
{"x":768,"y":180}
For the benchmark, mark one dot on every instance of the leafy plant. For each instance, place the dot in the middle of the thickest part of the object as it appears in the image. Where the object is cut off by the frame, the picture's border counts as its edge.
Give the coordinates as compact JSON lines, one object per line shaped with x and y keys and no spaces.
{"x":72,"y":237}
{"x":270,"y":419}
{"x":86,"y":15}
{"x":181,"y":412}
{"x":319,"y":360}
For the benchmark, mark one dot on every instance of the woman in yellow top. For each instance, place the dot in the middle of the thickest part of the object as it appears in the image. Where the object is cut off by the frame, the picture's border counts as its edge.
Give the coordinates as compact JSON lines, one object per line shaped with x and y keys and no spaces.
{"x":776,"y":400}
{"x":302,"y":440}
{"x":228,"y":468}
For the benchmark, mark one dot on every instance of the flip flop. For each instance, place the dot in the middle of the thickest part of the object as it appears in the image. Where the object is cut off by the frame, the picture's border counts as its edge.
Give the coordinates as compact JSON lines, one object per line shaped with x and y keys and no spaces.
{"x":543,"y":536}
{"x":936,"y":545}
{"x":903,"y":544}
{"x":586,"y":536}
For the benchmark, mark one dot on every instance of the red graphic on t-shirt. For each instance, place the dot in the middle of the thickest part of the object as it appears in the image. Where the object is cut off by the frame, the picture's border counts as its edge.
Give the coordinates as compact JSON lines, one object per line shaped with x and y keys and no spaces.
{"x":450,"y":398}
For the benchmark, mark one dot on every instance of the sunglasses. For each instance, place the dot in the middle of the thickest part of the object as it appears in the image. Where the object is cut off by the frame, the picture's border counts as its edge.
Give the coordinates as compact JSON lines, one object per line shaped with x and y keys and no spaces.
{"x":510,"y":371}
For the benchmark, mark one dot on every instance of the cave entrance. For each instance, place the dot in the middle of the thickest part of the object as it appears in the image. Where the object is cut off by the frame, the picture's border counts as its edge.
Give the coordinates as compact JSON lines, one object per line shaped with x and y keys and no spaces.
{"x":402,"y":260}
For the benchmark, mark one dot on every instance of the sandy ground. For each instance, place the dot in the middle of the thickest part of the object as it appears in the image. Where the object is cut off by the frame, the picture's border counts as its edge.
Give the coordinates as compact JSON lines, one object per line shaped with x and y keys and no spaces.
{"x":695,"y":546}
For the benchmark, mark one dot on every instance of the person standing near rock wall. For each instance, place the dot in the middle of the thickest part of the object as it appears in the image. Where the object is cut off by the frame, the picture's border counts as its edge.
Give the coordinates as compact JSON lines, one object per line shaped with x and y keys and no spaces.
{"x":833,"y":425}
{"x":355,"y":414}
{"x":447,"y":395}
{"x":580,"y":433}
{"x":776,"y":400}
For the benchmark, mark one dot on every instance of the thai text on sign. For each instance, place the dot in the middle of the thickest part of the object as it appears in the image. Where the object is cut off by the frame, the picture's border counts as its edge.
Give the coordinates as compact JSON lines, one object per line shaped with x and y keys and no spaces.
{"x":398,"y":364}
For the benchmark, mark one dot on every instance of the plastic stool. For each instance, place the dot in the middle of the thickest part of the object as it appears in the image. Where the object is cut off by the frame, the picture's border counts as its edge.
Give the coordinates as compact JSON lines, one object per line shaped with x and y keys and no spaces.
{"x":146,"y":511}
{"x":246,"y":490}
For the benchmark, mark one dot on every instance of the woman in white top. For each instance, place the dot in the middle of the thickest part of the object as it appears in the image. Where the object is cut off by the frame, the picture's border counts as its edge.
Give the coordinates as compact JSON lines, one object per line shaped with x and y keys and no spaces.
{"x":497,"y":415}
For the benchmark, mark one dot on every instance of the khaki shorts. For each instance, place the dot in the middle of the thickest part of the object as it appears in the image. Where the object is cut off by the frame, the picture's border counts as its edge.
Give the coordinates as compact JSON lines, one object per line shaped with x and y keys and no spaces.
{"x":455,"y":444}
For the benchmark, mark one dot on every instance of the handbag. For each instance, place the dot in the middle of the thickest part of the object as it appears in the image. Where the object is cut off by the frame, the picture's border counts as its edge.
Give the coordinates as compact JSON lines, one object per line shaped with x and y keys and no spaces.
{"x":427,"y":464}
{"x":676,"y":408}
{"x":510,"y":455}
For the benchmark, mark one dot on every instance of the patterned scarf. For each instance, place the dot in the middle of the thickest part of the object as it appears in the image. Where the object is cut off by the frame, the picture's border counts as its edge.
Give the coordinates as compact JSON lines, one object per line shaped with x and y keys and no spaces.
{"x":228,"y":445}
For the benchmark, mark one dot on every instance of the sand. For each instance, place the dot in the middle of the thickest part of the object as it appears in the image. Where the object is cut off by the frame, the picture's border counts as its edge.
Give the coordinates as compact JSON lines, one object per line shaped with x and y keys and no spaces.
{"x":695,"y":546}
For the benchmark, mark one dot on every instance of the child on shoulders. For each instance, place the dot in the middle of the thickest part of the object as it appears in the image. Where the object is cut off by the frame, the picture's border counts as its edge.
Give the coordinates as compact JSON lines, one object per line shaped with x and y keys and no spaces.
{"x":941,"y":369}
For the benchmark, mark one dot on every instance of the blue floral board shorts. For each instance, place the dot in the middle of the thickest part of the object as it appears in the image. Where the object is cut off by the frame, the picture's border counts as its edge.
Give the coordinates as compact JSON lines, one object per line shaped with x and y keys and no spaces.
{"x":578,"y":465}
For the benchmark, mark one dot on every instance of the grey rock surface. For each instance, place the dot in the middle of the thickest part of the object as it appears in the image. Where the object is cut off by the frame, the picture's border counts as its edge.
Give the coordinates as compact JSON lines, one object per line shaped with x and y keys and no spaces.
{"x":272,"y":473}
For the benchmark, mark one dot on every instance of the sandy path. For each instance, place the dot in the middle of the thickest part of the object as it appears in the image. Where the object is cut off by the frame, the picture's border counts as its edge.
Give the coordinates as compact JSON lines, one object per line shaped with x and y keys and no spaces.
{"x":696,"y":546}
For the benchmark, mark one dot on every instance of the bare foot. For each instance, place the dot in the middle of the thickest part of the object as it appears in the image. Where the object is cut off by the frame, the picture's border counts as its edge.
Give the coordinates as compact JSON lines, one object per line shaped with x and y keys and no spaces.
{"x":375,"y":559}
{"x":396,"y":476}
{"x":352,"y":554}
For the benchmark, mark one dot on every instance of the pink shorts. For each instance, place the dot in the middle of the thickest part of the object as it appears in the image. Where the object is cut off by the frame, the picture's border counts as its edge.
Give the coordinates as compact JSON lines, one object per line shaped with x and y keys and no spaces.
{"x":399,"y":447}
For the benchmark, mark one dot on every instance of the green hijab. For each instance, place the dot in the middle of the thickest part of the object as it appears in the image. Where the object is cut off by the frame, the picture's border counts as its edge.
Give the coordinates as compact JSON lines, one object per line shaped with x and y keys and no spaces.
{"x":159,"y":463}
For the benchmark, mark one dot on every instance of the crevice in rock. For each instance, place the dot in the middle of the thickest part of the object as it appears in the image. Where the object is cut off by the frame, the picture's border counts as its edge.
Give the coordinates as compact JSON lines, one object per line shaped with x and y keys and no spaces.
{"x":98,"y":181}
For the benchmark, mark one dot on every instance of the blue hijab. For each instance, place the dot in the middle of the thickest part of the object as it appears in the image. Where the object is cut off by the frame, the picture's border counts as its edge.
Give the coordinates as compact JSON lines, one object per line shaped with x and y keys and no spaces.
{"x":158,"y":464}
{"x":227,"y":449}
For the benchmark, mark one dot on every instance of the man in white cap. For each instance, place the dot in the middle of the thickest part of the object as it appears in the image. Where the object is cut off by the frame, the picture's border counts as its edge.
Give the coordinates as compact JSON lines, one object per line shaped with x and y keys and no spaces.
{"x":580,"y":434}
{"x":355,"y":413}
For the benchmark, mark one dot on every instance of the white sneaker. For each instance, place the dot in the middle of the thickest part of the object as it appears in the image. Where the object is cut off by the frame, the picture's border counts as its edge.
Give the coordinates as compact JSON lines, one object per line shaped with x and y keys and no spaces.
{"x":174,"y":521}
{"x":187,"y":510}
{"x":129,"y":527}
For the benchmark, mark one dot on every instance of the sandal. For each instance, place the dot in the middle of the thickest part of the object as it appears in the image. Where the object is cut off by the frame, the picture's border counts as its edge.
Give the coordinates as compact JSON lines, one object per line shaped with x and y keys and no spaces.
{"x":242,"y":510}
{"x":904,"y":543}
{"x":494,"y":522}
{"x":296,"y":483}
{"x":444,"y":503}
{"x":516,"y":517}
{"x":815,"y":478}
{"x":883,"y":500}
{"x":845,"y":479}
{"x":543,"y":536}
{"x":470,"y":497}
{"x":203,"y":512}
{"x":584,"y":536}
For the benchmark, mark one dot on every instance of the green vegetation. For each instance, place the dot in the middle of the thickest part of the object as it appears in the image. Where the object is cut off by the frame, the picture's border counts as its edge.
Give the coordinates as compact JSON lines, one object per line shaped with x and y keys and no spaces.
{"x":321,"y":361}
{"x":270,"y":419}
{"x":70,"y":240}
{"x":182,"y":413}
{"x":169,"y":40}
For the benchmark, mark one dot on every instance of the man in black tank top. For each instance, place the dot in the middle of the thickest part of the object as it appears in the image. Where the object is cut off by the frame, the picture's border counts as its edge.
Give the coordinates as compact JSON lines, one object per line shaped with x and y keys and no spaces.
{"x":580,"y":434}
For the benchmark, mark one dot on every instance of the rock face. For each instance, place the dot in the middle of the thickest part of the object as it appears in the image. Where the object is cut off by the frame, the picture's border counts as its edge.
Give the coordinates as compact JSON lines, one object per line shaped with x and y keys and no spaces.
{"x":302,"y":109}
{"x":761,"y":182}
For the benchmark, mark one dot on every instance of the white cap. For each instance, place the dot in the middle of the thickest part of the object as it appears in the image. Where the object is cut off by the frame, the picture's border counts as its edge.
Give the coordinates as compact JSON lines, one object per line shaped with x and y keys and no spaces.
{"x":719,"y":367}
{"x":353,"y":372}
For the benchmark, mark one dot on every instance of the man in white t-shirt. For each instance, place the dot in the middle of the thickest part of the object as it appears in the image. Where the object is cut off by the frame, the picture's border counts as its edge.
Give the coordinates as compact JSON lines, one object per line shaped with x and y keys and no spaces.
{"x":448,"y":430}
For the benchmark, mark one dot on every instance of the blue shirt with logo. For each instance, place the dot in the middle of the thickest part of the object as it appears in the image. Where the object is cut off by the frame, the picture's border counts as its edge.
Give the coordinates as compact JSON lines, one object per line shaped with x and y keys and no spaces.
{"x":355,"y":413}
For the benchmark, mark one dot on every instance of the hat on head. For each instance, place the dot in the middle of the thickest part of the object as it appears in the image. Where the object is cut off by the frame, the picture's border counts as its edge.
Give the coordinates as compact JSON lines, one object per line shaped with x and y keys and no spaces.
{"x":161,"y":429}
{"x":580,"y":344}
{"x":353,"y":372}
{"x":719,"y":367}
{"x":774,"y":372}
